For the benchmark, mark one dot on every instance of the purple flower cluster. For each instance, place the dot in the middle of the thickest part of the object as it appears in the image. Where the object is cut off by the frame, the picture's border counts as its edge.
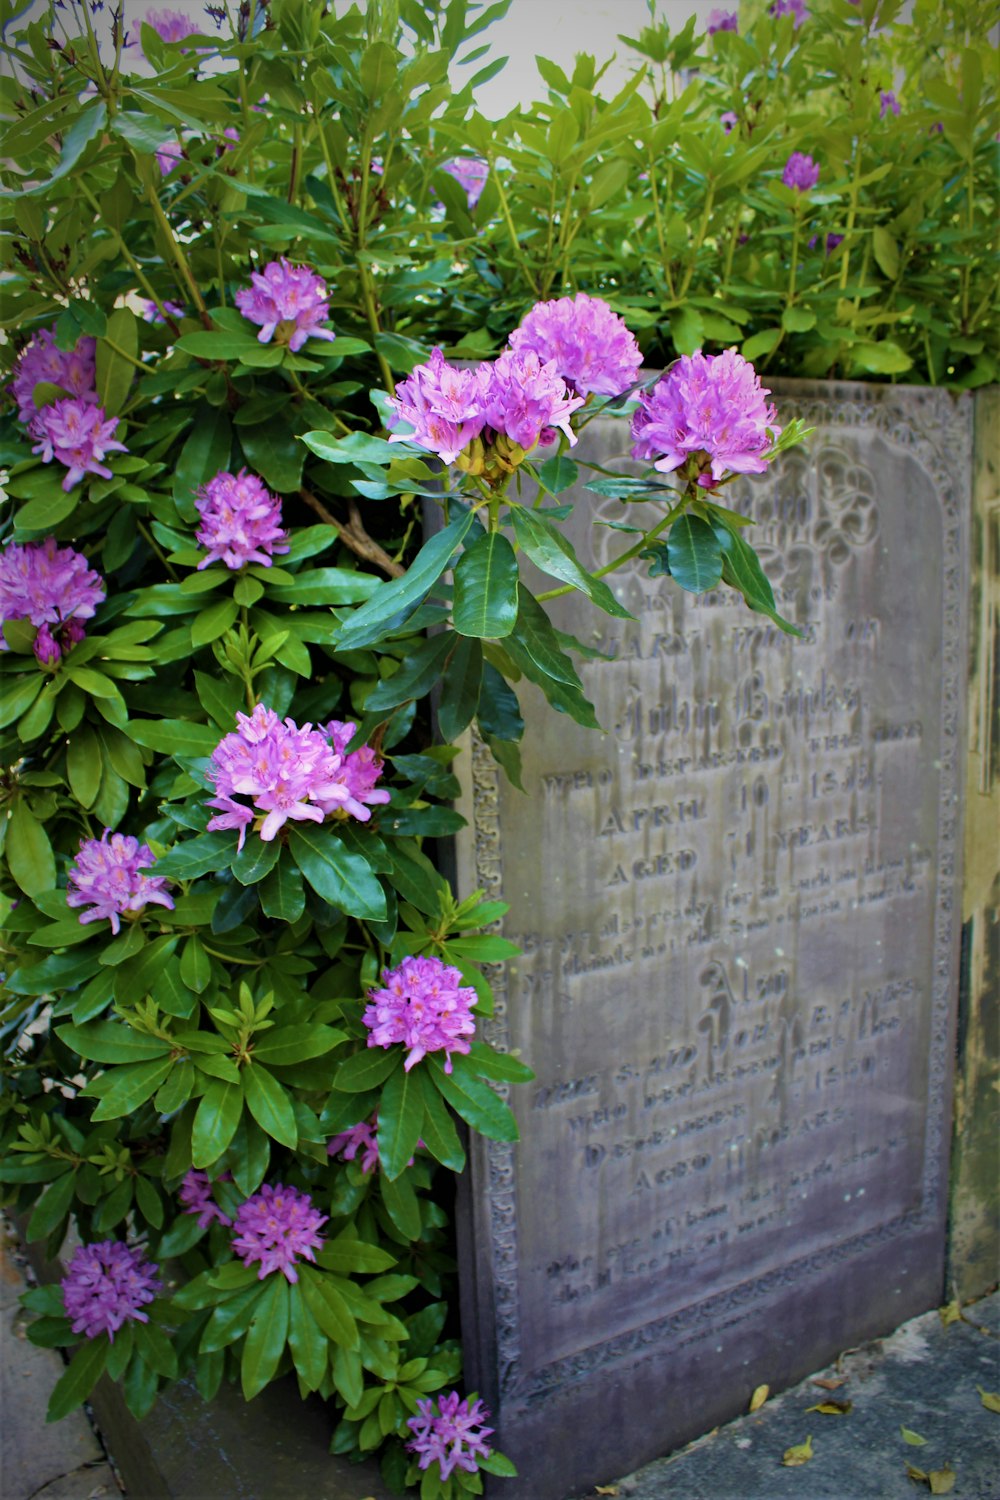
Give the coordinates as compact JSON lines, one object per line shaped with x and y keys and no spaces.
{"x":240,"y":521}
{"x":73,"y":370}
{"x":590,"y":346}
{"x":450,"y":1431}
{"x":722,"y":20}
{"x":516,"y":397}
{"x":801,"y":172}
{"x":360,"y":770}
{"x":76,"y":432}
{"x":361,"y":1138}
{"x":470,"y":173}
{"x":195,"y":1193}
{"x":425,"y":1006}
{"x":832,"y":241}
{"x":729,"y":120}
{"x":170,"y":25}
{"x":50,"y":586}
{"x":796,"y":8}
{"x":107,"y":1285}
{"x":168,"y":155}
{"x":288,"y":773}
{"x":290,"y":301}
{"x":151,"y":313}
{"x":888,"y":104}
{"x":708,"y":412}
{"x":107,"y":875}
{"x":277,"y":1227}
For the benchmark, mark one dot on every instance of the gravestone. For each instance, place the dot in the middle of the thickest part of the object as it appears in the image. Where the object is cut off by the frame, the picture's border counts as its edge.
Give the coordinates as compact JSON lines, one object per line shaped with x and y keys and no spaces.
{"x":738,"y":910}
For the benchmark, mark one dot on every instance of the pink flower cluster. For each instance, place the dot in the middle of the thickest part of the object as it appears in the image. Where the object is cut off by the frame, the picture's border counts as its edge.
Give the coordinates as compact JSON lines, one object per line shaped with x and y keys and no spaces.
{"x":516,"y":397}
{"x":722,"y":20}
{"x":50,"y":586}
{"x":363,"y":1139}
{"x":151,"y":313}
{"x":796,"y":8}
{"x":277,"y":1227}
{"x":590,"y":345}
{"x":425,"y":1006}
{"x":107,"y":1285}
{"x":195,"y":1194}
{"x":76,"y":432}
{"x":73,"y":370}
{"x":450,"y":1431}
{"x":709,"y":410}
{"x":888,"y":104}
{"x":470,"y":173}
{"x":290,"y":301}
{"x":288,"y":773}
{"x":107,"y":875}
{"x":168,"y":155}
{"x":170,"y":25}
{"x":801,"y":172}
{"x":240,"y":521}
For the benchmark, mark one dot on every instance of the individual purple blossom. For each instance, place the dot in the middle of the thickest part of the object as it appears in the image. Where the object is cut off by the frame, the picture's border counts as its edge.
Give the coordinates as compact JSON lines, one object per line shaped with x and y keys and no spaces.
{"x":425,"y":1006}
{"x":450,"y":1431}
{"x":708,"y":408}
{"x":722,"y":20}
{"x":470,"y":173}
{"x":729,"y":120}
{"x":49,"y":586}
{"x":521,"y":397}
{"x":277,"y":1227}
{"x":832,"y":241}
{"x":106,"y":1285}
{"x":937,"y":128}
{"x":195,"y":1194}
{"x":107,"y":875}
{"x":801,"y":172}
{"x":590,"y":345}
{"x":170,"y":25}
{"x":168,"y":155}
{"x":240,"y":521}
{"x":796,"y":8}
{"x":442,"y":404}
{"x":288,"y":773}
{"x":72,"y":370}
{"x":362,"y":1138}
{"x":76,"y":432}
{"x":287,"y":300}
{"x":888,"y":104}
{"x":151,"y":313}
{"x":360,"y":770}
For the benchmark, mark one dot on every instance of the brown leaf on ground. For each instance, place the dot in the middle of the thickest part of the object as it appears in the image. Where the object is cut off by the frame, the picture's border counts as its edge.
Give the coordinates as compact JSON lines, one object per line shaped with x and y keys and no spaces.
{"x":832,"y":1408}
{"x":606,"y":1489}
{"x":942,"y":1481}
{"x":990,"y":1399}
{"x":759,"y":1396}
{"x":829,"y":1385}
{"x":801,"y":1453}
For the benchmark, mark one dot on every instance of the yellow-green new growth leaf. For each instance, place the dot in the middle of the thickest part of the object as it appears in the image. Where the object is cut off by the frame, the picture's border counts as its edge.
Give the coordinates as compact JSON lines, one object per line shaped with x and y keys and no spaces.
{"x":801,"y":1453}
{"x":913,"y":1438}
{"x":832,"y":1408}
{"x":990,"y":1399}
{"x":759,"y":1396}
{"x":951,"y":1313}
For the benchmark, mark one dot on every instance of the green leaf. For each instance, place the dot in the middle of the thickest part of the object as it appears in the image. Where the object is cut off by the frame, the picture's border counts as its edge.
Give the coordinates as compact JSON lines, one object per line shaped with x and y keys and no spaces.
{"x":741,"y":569}
{"x":883,"y":358}
{"x":29,"y":853}
{"x":400,"y":1116}
{"x":490,"y":1063}
{"x":401,"y":595}
{"x":761,"y":343}
{"x":439,"y":1133}
{"x":347,"y":1256}
{"x":694,"y":554}
{"x":461,"y":689}
{"x":218,"y":344}
{"x":285,"y":1045}
{"x":269,"y":1104}
{"x":558,"y":474}
{"x":52,"y":1207}
{"x":112,"y":1042}
{"x":198,"y":856}
{"x":79,"y":1380}
{"x":265,"y":1340}
{"x":342,"y":878}
{"x":367,"y":1069}
{"x":19,"y":695}
{"x":474,"y":1100}
{"x":256,"y":859}
{"x":687,"y":329}
{"x":306,"y":1341}
{"x":156,"y":1350}
{"x":231,"y":1319}
{"x":75,"y":141}
{"x":358,"y":448}
{"x":281,"y":893}
{"x":206,"y":451}
{"x":550,"y":551}
{"x":328,"y":1308}
{"x":401,"y":1201}
{"x":497,"y":1463}
{"x":498,"y":711}
{"x":175,"y":737}
{"x":418,"y":673}
{"x":885,"y":251}
{"x":114,"y":371}
{"x":486,"y":578}
{"x":213,"y":622}
{"x":248,"y":1156}
{"x":215,"y":1122}
{"x":273,"y":451}
{"x":129,"y":1087}
{"x":797,"y":320}
{"x":536,"y":650}
{"x":83,"y":765}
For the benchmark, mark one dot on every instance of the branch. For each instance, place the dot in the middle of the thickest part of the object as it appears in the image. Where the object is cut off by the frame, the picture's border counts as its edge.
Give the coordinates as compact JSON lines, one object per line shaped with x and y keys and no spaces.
{"x":355,"y":536}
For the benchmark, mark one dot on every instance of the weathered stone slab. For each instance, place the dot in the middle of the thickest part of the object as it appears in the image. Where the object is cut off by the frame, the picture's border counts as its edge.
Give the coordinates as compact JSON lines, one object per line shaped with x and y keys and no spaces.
{"x":740,"y":918}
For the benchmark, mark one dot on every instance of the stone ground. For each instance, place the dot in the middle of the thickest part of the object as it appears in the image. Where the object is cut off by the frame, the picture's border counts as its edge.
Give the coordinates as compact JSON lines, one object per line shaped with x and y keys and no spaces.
{"x":925,"y":1378}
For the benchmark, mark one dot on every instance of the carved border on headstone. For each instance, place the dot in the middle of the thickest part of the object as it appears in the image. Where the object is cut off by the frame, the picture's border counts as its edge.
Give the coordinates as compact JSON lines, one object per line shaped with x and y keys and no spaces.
{"x":939,"y":437}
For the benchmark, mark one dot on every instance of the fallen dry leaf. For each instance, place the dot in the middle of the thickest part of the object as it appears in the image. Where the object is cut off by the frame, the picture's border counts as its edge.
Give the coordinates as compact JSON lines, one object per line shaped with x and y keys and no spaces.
{"x":794,"y":1458}
{"x":829,"y":1385}
{"x":759,"y":1396}
{"x":606,"y":1489}
{"x":919,"y":1475}
{"x":950,"y":1313}
{"x":942,"y":1481}
{"x":990,"y":1399}
{"x":913,"y":1438}
{"x":832,"y":1408}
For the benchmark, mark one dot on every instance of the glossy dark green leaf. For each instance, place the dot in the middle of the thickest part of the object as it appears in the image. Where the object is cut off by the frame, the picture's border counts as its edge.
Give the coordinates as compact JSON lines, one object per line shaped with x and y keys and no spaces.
{"x":112,"y":1042}
{"x":475,"y":1101}
{"x":439,"y":1133}
{"x":29,"y":853}
{"x":550,"y":551}
{"x":328,"y":1308}
{"x":129,"y":1087}
{"x":256,"y":859}
{"x":460,"y":689}
{"x":399,"y":595}
{"x":417,"y":674}
{"x":498,"y":710}
{"x":306,"y":1341}
{"x":485,"y":597}
{"x":400,"y":1116}
{"x":283,"y":1046}
{"x":198,"y":856}
{"x":206,"y":450}
{"x":273,"y":451}
{"x":367,"y":1069}
{"x":53,"y":1207}
{"x":266,"y":1336}
{"x":215,"y":1122}
{"x":270,"y":1105}
{"x":694,"y":554}
{"x":342,"y":878}
{"x":741,"y":569}
{"x":401,"y":1202}
{"x":76,"y":1384}
{"x":281,"y":892}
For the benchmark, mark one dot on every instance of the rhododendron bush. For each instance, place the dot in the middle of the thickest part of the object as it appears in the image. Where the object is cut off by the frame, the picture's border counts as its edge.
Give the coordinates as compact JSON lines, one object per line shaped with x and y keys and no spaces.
{"x":286,"y":410}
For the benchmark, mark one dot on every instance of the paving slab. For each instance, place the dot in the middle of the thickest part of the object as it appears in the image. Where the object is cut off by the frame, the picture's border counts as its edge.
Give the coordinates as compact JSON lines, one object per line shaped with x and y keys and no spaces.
{"x":925,"y":1377}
